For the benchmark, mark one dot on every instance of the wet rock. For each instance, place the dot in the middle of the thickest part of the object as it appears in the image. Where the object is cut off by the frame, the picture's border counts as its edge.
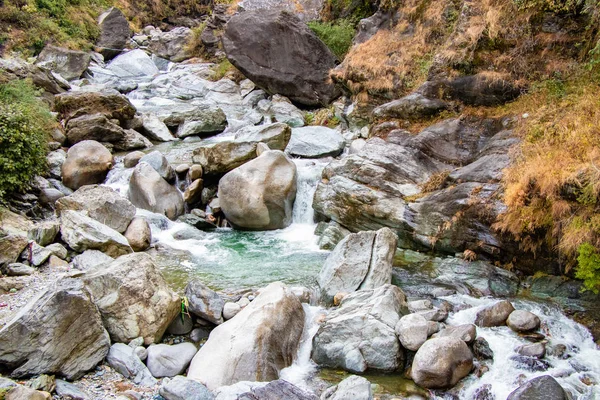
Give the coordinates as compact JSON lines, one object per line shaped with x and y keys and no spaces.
{"x":164,"y":360}
{"x":354,"y":387}
{"x":412,"y":331}
{"x":156,"y":129}
{"x":204,"y":302}
{"x":494,"y":315}
{"x":315,"y":142}
{"x":532,"y":364}
{"x":441,"y":363}
{"x":413,"y":106}
{"x":543,"y":387}
{"x":481,"y":349}
{"x":198,"y":334}
{"x":230,"y":310}
{"x":359,"y":335}
{"x":101,"y":203}
{"x":276,"y":390}
{"x":110,"y":104}
{"x":133,"y":298}
{"x":195,"y":172}
{"x":148,"y":190}
{"x":467,"y":333}
{"x":84,"y":233}
{"x":298,"y":53}
{"x":197,"y":222}
{"x":44,"y":233}
{"x":193,"y":194}
{"x":114,"y":32}
{"x":124,"y":360}
{"x":537,"y":350}
{"x":182,"y":388}
{"x":332,"y":235}
{"x":139,"y":234}
{"x":275,"y":319}
{"x":259,"y":195}
{"x":134,"y":63}
{"x":69,"y":391}
{"x":58,"y":332}
{"x":90,"y":259}
{"x":360,"y":261}
{"x":523,"y":321}
{"x":87,"y":163}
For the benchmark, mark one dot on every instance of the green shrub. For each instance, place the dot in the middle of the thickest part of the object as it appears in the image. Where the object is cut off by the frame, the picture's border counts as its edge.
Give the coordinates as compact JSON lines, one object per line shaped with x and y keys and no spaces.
{"x":336,"y":35}
{"x":24,"y":126}
{"x":588,"y":268}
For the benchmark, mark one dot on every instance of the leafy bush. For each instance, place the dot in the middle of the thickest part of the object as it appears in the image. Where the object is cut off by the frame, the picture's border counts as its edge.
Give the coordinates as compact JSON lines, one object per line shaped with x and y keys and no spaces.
{"x":588,"y":268}
{"x":336,"y":35}
{"x":24,"y":125}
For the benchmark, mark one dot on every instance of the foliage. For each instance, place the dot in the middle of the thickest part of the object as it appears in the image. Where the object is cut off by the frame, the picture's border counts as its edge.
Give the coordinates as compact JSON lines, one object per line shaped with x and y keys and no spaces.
{"x":351,"y":10}
{"x":336,"y":35}
{"x":226,"y":69}
{"x":588,"y":268}
{"x":24,"y":126}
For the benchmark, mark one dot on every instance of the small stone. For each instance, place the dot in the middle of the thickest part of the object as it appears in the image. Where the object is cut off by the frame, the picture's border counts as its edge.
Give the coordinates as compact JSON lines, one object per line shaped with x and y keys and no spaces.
{"x":243,"y":302}
{"x":58,"y":250}
{"x":141,"y":352}
{"x":337,"y":299}
{"x":132,"y":159}
{"x":198,"y":334}
{"x":168,"y":361}
{"x":69,"y":391}
{"x":230,"y":310}
{"x":139,"y":341}
{"x":481,"y":349}
{"x":412,"y":331}
{"x":434,"y":314}
{"x":182,"y":169}
{"x":537,"y":350}
{"x":523,"y":321}
{"x":195,"y":172}
{"x":419,"y":305}
{"x":55,"y":262}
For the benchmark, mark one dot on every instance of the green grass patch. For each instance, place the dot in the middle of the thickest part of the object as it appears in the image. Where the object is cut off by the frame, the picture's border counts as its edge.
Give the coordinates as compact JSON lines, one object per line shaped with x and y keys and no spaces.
{"x":336,"y":35}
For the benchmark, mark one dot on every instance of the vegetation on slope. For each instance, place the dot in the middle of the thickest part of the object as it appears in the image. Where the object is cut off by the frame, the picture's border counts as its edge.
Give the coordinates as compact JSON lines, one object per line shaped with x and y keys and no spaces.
{"x":336,"y":35}
{"x":25,"y":124}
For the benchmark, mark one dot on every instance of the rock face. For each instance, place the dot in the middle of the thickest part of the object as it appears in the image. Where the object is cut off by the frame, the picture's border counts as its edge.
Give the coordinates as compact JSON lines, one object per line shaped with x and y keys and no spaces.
{"x":111,"y":104}
{"x":164,"y":360}
{"x":226,"y":156}
{"x":543,"y":387}
{"x":359,"y":335}
{"x":204,"y":302}
{"x":59,"y":332}
{"x":84,"y":233}
{"x":494,"y":315}
{"x":114,"y":33}
{"x":272,"y":326}
{"x":360,"y":261}
{"x":441,"y":363}
{"x":102,"y":204}
{"x":70,"y":64}
{"x":296,"y":65}
{"x":148,"y":190}
{"x":523,"y":321}
{"x":87,"y":163}
{"x":171,"y":45}
{"x":133,"y":298}
{"x":315,"y":142}
{"x":260,"y":194}
{"x":376,"y":187}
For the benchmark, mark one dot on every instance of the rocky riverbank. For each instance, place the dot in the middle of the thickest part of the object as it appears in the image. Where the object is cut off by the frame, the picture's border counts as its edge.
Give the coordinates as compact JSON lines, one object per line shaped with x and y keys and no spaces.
{"x":159,"y":161}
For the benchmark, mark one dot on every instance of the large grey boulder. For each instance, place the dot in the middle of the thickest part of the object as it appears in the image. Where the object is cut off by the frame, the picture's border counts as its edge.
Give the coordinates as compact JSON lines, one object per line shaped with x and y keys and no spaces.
{"x":412,"y":331}
{"x":225,"y":156}
{"x":359,"y":335}
{"x":360,"y":261}
{"x":543,"y":387}
{"x":182,"y":388}
{"x":204,"y":302}
{"x":354,"y":387}
{"x":260,"y":194}
{"x":101,"y":203}
{"x":212,"y":120}
{"x":494,"y":315}
{"x":315,"y":142}
{"x":296,"y":65}
{"x":82,"y":233}
{"x":110,"y":103}
{"x":135,"y":63}
{"x":133,"y":298}
{"x":114,"y":32}
{"x":168,"y":361}
{"x":172,"y":45}
{"x":272,"y":326}
{"x":70,"y":64}
{"x":87,"y":163}
{"x":148,"y":190}
{"x":124,"y":360}
{"x":58,"y":332}
{"x":441,"y":363}
{"x":276,"y":390}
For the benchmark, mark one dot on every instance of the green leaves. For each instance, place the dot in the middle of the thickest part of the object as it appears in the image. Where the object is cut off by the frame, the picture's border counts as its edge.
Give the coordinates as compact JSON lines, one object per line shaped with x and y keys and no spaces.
{"x":588,"y":268}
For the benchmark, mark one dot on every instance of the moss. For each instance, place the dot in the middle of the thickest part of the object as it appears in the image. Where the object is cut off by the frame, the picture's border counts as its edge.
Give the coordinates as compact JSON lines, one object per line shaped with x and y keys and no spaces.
{"x":588,"y":267}
{"x":336,"y":35}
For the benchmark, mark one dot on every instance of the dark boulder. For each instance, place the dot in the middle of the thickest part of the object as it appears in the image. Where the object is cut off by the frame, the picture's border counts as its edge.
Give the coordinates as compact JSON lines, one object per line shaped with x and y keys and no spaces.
{"x":70,"y":64}
{"x":296,"y":65}
{"x":114,"y":33}
{"x":543,"y":387}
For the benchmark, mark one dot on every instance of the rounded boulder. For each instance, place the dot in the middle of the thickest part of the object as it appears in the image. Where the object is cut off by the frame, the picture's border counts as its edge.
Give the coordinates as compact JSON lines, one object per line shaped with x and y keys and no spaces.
{"x":87,"y":163}
{"x":441,"y":363}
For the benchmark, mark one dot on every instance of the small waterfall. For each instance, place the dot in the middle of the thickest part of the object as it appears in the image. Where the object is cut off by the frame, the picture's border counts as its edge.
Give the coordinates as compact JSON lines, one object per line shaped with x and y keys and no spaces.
{"x":118,"y":179}
{"x":304,"y":368}
{"x":309,"y":173}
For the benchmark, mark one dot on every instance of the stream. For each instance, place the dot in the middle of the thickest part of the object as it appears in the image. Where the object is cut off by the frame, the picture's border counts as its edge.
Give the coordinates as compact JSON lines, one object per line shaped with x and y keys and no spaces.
{"x":226,"y":259}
